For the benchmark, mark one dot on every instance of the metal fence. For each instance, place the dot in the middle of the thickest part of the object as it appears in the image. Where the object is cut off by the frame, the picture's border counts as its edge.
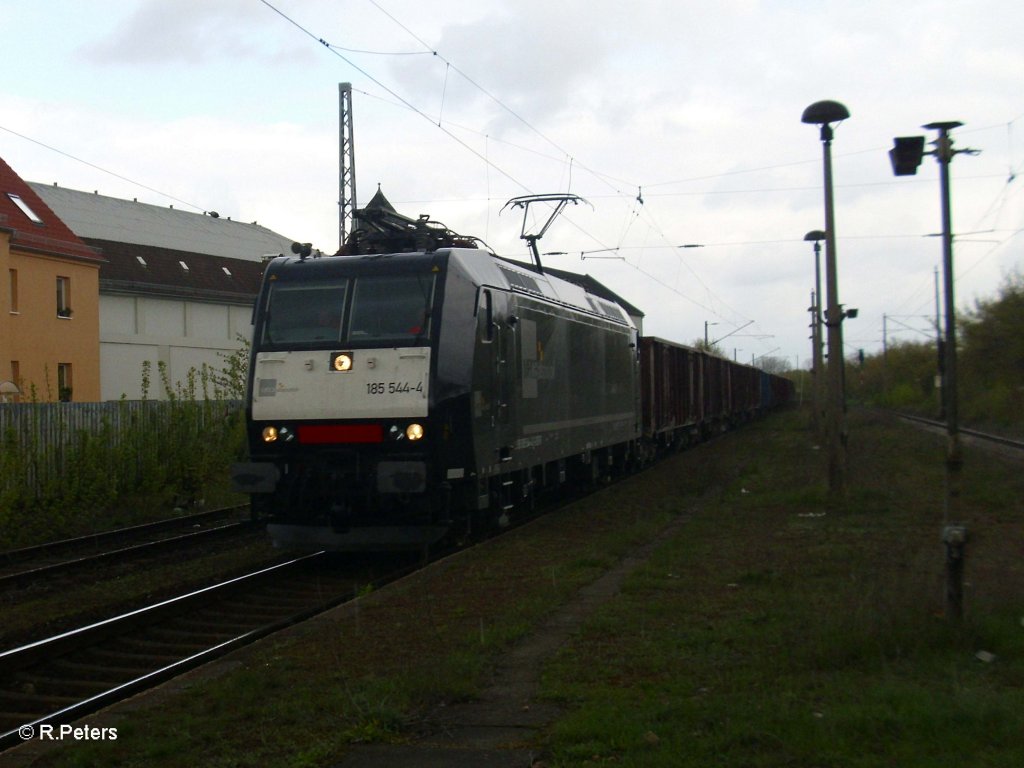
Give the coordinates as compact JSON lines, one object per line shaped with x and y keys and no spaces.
{"x":56,"y":424}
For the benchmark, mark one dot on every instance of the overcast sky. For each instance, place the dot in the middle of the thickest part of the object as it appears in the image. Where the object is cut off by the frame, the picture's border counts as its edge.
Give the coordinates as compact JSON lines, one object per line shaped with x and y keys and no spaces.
{"x":692,"y":107}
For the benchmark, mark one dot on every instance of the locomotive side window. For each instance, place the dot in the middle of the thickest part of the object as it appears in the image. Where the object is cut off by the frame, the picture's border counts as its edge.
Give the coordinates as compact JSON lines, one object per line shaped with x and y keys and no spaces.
{"x":305,"y":314}
{"x":392,"y":308}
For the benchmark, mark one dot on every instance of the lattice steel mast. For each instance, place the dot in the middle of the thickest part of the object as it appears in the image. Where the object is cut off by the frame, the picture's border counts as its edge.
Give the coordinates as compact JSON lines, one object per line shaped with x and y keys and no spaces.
{"x":347,"y":165}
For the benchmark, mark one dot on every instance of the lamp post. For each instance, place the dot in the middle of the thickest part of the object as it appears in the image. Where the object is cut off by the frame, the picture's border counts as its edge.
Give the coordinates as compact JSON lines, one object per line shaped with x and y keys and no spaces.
{"x":824,"y":113}
{"x":906,"y":156}
{"x":818,"y":382}
{"x":706,"y":324}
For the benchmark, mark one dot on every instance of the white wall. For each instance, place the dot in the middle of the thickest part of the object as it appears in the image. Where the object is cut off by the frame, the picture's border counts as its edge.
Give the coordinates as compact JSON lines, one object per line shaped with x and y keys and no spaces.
{"x":180,"y":333}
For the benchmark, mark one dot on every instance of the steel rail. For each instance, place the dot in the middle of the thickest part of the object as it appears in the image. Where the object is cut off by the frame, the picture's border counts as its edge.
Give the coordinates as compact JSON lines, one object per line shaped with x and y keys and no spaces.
{"x":988,"y":437}
{"x":18,"y":659}
{"x":21,"y":578}
{"x":54,"y":548}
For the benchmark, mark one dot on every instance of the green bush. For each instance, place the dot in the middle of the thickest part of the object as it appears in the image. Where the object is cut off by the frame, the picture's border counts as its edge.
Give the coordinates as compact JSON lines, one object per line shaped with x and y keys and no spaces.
{"x":142,"y":460}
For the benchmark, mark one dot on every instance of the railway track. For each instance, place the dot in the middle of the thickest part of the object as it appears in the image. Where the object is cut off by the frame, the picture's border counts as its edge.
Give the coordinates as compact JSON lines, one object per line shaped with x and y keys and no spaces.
{"x":59,"y":679}
{"x":983,"y":437}
{"x":62,"y":678}
{"x":33,"y":565}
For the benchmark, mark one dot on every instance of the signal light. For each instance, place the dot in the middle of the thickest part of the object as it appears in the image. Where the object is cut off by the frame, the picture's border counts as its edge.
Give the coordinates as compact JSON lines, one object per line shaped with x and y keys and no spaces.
{"x":906,"y":154}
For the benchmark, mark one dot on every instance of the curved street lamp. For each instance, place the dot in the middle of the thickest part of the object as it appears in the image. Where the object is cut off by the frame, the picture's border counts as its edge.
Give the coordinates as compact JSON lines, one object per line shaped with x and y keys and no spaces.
{"x":824,"y":113}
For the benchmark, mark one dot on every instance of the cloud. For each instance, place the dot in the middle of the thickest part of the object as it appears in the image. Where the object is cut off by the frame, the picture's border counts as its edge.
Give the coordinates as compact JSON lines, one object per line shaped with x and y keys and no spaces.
{"x":189,"y":32}
{"x":226,"y":104}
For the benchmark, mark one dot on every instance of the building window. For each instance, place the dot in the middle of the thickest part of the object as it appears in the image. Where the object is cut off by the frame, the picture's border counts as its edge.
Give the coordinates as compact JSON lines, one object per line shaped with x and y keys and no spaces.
{"x":32,"y":215}
{"x":14,"y":289}
{"x":64,"y":382}
{"x":63,"y":297}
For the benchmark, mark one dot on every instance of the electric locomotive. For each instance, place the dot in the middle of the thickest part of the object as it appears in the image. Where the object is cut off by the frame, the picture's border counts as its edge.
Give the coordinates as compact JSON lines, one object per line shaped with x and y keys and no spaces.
{"x":396,"y":397}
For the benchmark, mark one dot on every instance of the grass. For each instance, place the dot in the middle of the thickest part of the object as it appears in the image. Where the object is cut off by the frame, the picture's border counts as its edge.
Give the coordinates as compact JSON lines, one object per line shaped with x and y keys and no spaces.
{"x":776,"y":629}
{"x":771,"y":634}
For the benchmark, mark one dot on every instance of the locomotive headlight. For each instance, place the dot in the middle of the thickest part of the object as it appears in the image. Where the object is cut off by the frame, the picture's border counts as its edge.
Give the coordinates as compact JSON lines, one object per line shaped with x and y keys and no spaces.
{"x":341,"y":361}
{"x":269,"y":434}
{"x":414,"y":432}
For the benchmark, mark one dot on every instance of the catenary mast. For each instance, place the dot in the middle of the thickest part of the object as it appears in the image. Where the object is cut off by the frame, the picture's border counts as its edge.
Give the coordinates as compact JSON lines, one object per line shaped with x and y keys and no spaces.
{"x":347,"y":165}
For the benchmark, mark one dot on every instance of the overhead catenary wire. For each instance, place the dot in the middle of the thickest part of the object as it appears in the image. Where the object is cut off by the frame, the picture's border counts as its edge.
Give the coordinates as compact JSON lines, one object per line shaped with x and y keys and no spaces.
{"x":570,"y":159}
{"x":102,"y":169}
{"x":393,"y":93}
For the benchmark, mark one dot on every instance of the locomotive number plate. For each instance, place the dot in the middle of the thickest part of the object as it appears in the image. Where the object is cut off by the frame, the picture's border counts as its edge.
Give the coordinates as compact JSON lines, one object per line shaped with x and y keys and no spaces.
{"x":393,"y":387}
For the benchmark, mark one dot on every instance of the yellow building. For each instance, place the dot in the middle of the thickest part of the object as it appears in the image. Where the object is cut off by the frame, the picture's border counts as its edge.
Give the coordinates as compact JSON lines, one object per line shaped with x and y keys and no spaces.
{"x":49,"y":301}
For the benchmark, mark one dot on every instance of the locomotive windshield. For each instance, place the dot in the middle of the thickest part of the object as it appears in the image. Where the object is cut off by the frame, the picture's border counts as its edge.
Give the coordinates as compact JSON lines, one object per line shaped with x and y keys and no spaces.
{"x":362,"y":311}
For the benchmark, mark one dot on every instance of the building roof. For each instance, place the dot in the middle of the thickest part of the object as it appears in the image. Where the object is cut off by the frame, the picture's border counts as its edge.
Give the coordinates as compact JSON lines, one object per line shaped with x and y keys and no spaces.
{"x":33,"y":224}
{"x":155,"y":271}
{"x":98,"y":217}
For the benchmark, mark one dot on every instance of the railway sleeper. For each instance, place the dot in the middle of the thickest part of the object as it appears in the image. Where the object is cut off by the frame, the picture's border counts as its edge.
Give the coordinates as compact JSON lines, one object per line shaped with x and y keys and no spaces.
{"x":9,"y":700}
{"x":230,"y":614}
{"x":210,"y":628}
{"x":181,"y":633}
{"x":10,"y":721}
{"x":273,"y":606}
{"x":207,"y":632}
{"x":46,"y":684}
{"x":101,"y":673}
{"x":144,"y":662}
{"x":234,"y":617}
{"x":190,"y":643}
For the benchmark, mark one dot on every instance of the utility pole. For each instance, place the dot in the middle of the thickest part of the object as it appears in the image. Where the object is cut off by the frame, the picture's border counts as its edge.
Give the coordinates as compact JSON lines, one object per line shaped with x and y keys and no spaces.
{"x":940,"y":375}
{"x":816,"y":236}
{"x":954,"y":534}
{"x":906,"y":156}
{"x":885,"y":354}
{"x":346,"y":165}
{"x":815,"y":368}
